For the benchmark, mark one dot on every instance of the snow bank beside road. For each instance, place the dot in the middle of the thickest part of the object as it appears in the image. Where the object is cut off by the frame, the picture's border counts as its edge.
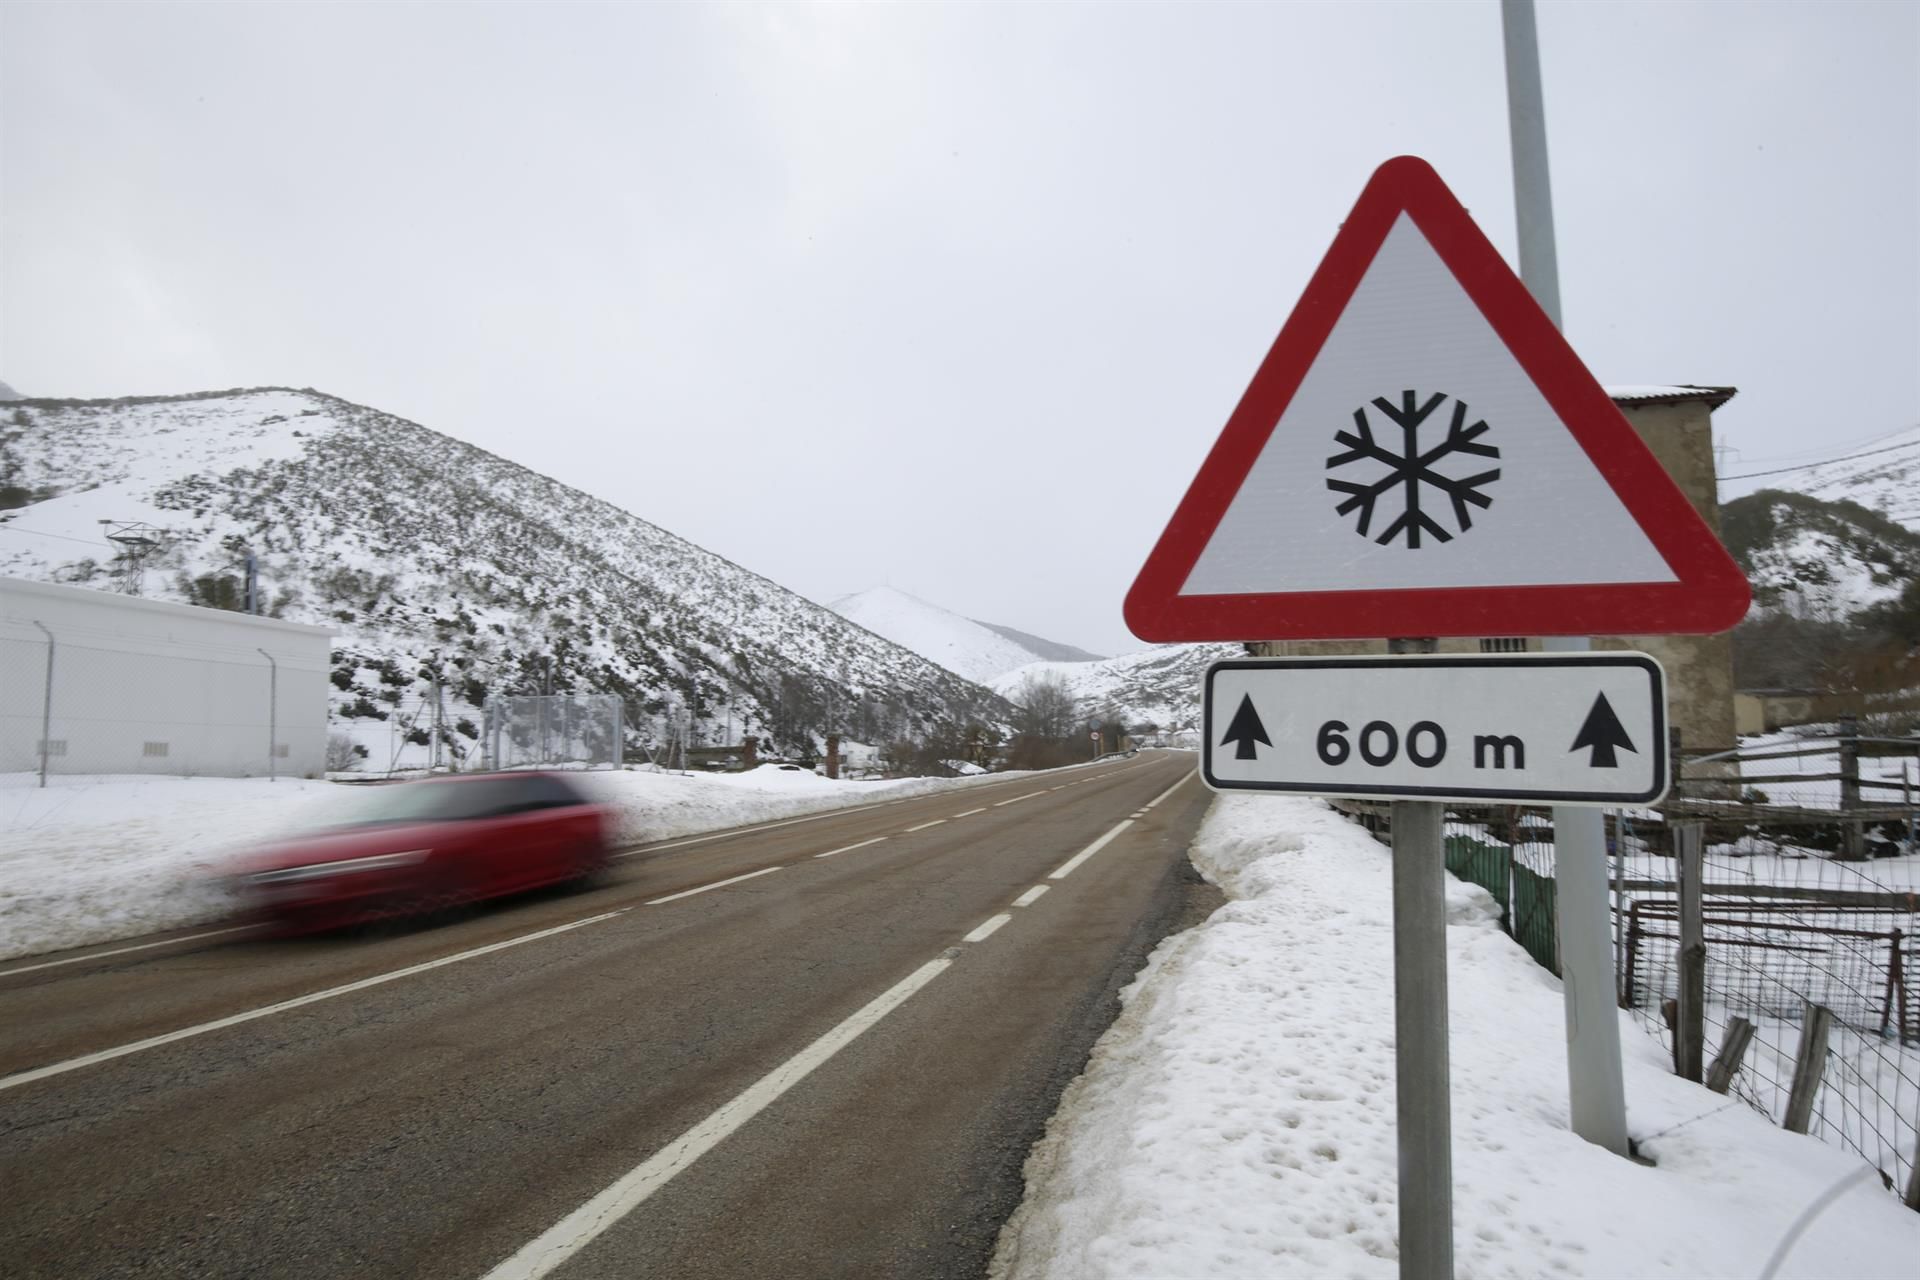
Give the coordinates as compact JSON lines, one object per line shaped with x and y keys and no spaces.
{"x":97,"y":859}
{"x":1238,"y":1119}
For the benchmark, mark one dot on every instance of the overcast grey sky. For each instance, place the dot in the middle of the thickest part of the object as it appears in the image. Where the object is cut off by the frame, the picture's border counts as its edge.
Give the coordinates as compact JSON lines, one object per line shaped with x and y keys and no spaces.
{"x":953,"y":297}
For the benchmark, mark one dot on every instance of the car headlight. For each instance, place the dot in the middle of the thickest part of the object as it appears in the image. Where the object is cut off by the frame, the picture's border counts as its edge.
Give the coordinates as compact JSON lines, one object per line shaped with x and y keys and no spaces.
{"x":346,"y":866}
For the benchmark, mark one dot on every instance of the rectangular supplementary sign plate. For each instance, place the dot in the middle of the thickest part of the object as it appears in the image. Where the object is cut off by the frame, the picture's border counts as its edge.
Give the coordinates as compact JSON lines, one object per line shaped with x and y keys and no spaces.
{"x":1583,"y":729}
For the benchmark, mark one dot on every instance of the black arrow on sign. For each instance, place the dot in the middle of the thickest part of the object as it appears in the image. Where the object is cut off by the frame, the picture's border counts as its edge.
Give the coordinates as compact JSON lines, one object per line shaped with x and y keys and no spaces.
{"x":1603,"y":732}
{"x":1246,"y":729}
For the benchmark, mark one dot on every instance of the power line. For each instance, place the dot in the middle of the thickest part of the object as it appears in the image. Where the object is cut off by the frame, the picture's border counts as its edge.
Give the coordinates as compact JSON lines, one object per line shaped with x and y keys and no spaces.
{"x":1808,"y":466}
{"x":1791,"y":454}
{"x":92,"y":542}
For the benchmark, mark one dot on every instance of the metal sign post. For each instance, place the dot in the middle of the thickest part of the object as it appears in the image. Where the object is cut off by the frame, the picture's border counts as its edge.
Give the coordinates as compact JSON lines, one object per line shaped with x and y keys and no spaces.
{"x":1422,"y":1089}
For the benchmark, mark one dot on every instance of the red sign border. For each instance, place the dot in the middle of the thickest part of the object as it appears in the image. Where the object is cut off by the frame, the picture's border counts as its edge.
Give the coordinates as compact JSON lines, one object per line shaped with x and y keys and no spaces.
{"x":1710,"y":595}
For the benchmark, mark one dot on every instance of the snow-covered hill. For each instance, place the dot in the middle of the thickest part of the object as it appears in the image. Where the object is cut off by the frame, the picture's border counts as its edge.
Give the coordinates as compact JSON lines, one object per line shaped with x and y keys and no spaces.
{"x":1160,"y":685}
{"x":421,"y":551}
{"x":977,"y":650}
{"x":1819,"y":557}
{"x":1884,"y":476}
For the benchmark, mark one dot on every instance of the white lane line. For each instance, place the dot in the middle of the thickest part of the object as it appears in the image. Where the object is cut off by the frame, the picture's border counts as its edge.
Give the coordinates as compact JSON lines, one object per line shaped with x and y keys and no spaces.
{"x":1017,"y":799}
{"x":1138,"y":813}
{"x":717,"y":884}
{"x":120,"y":951}
{"x":1030,"y":897}
{"x":1066,"y":868}
{"x":985,"y":931}
{"x":969,"y":813}
{"x":923,"y":826}
{"x":185,"y":1033}
{"x":848,"y":848}
{"x":578,"y":1229}
{"x":1170,"y":790}
{"x":1061,"y":787}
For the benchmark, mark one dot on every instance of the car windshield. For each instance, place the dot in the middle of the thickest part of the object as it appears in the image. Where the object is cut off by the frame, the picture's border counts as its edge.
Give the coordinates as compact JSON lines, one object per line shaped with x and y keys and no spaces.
{"x":433,"y":802}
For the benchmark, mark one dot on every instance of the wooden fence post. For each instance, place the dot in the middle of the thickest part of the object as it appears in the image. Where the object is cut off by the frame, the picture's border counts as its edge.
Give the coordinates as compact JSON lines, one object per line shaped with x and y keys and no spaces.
{"x":1913,"y":1177}
{"x":1690,"y":1033}
{"x":1733,"y":1048}
{"x":1808,"y":1066}
{"x":1852,"y":835}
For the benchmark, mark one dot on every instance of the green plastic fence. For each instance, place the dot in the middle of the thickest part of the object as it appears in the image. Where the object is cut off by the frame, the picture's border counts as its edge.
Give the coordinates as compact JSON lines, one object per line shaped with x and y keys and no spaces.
{"x":1483,"y":864}
{"x":1533,"y":917}
{"x":1525,"y":896}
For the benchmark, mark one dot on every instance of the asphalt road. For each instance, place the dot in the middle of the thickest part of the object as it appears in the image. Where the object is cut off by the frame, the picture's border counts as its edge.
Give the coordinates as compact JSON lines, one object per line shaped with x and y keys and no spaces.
{"x":813,"y":1048}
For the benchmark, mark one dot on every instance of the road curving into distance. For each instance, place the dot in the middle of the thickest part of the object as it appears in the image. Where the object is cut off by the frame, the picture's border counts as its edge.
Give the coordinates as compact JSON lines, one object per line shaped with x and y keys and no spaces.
{"x":816,"y":1047}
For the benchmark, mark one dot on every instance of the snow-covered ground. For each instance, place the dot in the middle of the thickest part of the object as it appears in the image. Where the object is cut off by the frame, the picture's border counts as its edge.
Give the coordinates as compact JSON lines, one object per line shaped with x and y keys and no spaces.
{"x":96,"y":859}
{"x":1238,"y":1119}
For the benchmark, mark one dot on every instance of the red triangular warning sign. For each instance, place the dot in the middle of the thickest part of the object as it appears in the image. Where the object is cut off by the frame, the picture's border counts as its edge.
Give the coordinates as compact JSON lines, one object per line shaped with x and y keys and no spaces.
{"x":1422,"y":454}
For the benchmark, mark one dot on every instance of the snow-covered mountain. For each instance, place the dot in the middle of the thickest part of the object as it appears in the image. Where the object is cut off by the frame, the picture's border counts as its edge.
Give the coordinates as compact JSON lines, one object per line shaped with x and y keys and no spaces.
{"x":1160,"y":685}
{"x":421,"y":551}
{"x":1819,"y":557}
{"x":1884,"y":475}
{"x":977,"y":650}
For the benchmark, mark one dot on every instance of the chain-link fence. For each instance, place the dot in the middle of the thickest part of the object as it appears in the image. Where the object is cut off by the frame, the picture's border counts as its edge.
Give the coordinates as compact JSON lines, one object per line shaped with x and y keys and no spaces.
{"x":562,"y":730}
{"x":83,"y":700}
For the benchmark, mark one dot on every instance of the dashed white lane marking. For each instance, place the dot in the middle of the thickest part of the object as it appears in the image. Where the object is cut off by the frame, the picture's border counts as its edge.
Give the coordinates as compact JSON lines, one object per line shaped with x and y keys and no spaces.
{"x":717,"y":884}
{"x":1170,"y":790}
{"x":1061,"y":787}
{"x":1066,"y":868}
{"x":985,"y":931}
{"x":923,"y":826}
{"x":120,"y":951}
{"x":1030,"y":897}
{"x":848,"y":848}
{"x":185,"y":1033}
{"x":788,"y":822}
{"x":969,"y":813}
{"x":1017,"y":799}
{"x":1138,"y":813}
{"x":579,"y":1228}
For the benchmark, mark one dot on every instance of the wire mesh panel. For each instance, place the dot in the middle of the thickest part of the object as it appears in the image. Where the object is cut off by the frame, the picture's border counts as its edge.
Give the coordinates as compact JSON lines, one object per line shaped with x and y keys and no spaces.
{"x":1787,"y":926}
{"x":546,"y":731}
{"x":72,"y":707}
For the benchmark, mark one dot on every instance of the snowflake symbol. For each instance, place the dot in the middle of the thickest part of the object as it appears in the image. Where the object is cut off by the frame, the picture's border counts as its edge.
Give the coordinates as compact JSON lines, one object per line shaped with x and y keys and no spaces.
{"x":1411,"y":469}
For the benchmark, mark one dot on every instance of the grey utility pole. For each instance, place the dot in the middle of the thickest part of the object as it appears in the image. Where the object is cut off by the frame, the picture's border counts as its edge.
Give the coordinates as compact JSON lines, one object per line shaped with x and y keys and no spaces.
{"x":1595,"y":1093}
{"x":273,"y":715}
{"x":46,"y":706}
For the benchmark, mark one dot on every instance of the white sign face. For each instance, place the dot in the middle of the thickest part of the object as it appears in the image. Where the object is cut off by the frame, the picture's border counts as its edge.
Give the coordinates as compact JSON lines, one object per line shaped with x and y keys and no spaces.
{"x":1417,"y":452}
{"x":1585,"y":729}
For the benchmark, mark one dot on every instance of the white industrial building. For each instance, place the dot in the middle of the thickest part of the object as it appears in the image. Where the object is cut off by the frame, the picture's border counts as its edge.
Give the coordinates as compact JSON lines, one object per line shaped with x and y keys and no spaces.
{"x":93,"y":682}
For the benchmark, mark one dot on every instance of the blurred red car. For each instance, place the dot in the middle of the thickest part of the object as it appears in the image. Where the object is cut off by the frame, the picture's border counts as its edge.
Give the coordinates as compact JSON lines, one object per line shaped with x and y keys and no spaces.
{"x":413,"y":848}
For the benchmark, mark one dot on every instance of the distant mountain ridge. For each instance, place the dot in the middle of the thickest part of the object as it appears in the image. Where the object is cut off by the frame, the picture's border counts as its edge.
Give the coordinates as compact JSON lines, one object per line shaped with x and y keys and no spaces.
{"x":1048,"y":650}
{"x":424,"y":552}
{"x":1159,"y":686}
{"x":1883,"y":475}
{"x":979,"y":651}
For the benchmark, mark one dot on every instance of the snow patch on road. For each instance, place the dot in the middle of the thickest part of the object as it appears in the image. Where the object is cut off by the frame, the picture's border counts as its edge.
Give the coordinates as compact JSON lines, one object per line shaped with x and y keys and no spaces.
{"x":1238,"y":1118}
